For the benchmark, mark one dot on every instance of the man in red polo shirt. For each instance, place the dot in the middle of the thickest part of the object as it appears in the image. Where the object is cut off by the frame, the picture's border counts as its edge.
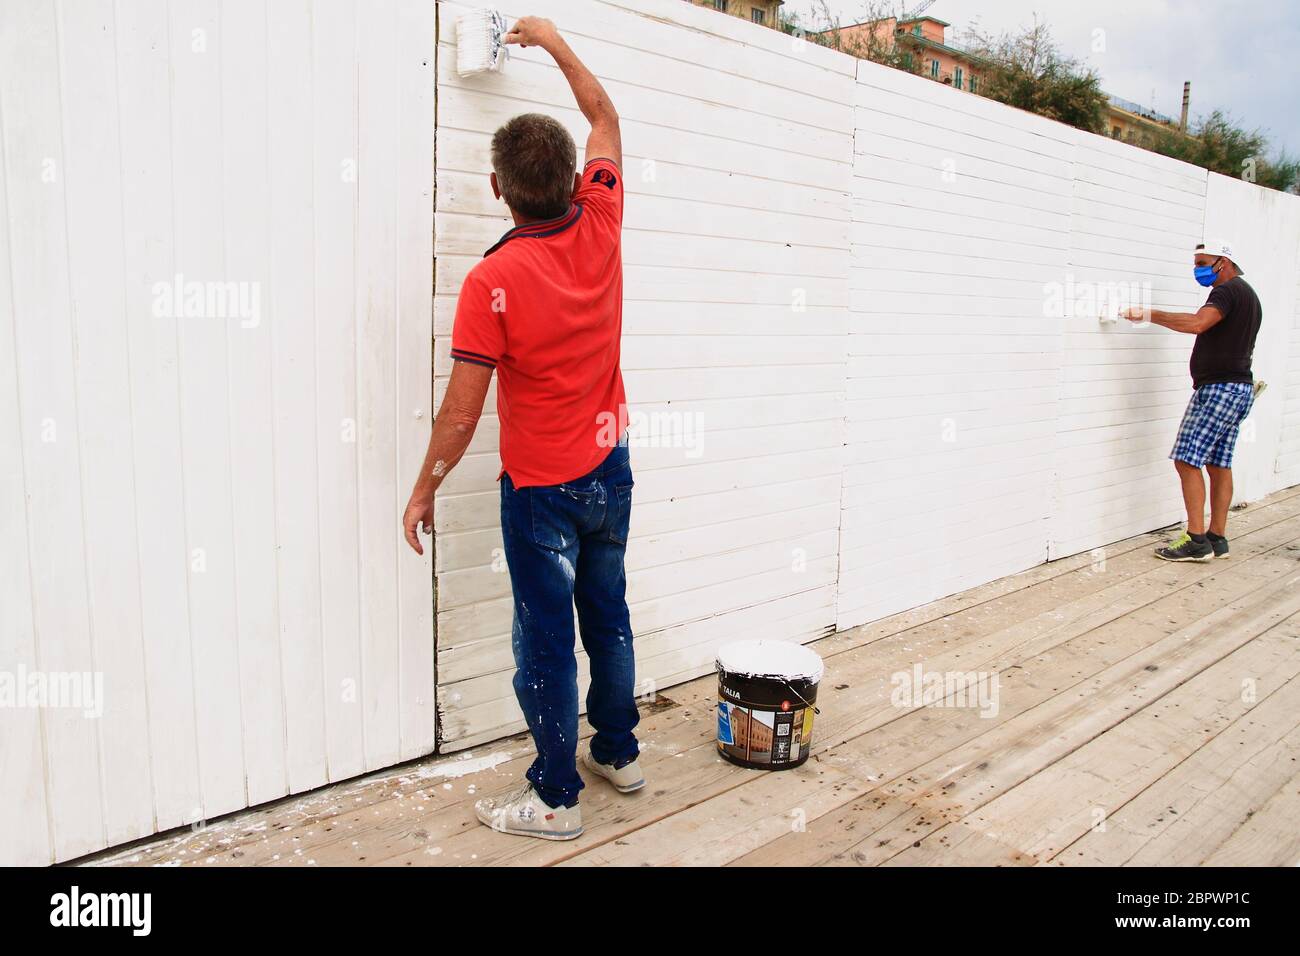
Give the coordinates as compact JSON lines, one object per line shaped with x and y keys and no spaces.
{"x":544,"y":308}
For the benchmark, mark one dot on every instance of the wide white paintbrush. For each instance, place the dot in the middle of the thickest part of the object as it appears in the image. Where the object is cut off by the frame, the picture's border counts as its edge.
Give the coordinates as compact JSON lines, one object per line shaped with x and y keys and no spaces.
{"x":480,"y":42}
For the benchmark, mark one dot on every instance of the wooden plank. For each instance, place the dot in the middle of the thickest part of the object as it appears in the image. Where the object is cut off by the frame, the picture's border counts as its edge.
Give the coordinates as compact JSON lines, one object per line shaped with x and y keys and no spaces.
{"x":299,"y":212}
{"x":25,"y":838}
{"x":106,"y":430}
{"x":379,"y":140}
{"x":887,"y":753}
{"x":1187,"y":813}
{"x":43,"y":343}
{"x":334,"y":199}
{"x":1269,"y":836}
{"x":148,"y":220}
{"x":1085,"y":686}
{"x":250,"y":337}
{"x":1041,"y":816}
{"x":416,"y":31}
{"x":205,"y":404}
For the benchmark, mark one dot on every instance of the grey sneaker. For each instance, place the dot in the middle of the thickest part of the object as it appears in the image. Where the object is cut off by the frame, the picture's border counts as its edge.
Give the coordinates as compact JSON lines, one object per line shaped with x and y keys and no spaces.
{"x":522,"y":812}
{"x":625,"y":779}
{"x":1184,"y":548}
{"x":1219,"y":544}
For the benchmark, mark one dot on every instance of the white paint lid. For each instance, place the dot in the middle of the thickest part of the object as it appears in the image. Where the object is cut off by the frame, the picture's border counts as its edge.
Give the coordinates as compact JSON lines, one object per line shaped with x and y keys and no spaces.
{"x":780,"y":659}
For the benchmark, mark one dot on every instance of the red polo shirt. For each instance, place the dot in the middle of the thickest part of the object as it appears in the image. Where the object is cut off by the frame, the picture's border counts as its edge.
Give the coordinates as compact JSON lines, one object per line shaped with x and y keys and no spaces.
{"x":545,"y":309}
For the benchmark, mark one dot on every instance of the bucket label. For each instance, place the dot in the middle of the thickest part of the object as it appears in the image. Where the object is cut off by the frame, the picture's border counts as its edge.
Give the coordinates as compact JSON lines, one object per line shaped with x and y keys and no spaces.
{"x":763,"y":736}
{"x":724,"y":724}
{"x":782,"y":723}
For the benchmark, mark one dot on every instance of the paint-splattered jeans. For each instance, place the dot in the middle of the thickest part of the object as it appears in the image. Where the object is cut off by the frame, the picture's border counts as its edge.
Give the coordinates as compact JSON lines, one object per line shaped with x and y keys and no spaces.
{"x":564,"y":545}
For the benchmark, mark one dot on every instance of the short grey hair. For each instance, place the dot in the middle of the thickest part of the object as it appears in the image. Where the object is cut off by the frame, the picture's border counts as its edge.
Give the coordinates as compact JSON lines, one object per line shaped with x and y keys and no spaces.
{"x":535,"y":158}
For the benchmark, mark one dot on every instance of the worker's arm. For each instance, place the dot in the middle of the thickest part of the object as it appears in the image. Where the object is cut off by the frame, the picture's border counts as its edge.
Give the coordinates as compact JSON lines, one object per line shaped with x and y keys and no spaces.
{"x":605,"y":140}
{"x":1192,"y":323}
{"x":452,"y":430}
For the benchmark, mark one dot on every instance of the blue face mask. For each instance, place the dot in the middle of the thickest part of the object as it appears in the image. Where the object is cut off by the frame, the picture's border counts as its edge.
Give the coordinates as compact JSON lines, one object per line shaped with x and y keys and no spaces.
{"x":1205,"y":275}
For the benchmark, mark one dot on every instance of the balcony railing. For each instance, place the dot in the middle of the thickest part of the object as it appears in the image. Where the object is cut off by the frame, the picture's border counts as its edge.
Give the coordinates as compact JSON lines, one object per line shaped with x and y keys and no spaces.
{"x":1139,"y":110}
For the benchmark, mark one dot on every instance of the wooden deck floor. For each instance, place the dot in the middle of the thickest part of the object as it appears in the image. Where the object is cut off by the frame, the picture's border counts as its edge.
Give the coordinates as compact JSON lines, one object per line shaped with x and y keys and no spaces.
{"x":1148,"y":713}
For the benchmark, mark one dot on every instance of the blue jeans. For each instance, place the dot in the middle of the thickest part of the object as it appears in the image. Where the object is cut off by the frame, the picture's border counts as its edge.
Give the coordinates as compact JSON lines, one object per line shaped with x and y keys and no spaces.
{"x":564,"y":545}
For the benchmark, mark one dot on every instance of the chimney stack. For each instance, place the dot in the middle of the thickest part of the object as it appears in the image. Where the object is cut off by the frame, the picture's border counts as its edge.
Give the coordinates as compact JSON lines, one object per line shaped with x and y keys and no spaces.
{"x":1187,"y":99}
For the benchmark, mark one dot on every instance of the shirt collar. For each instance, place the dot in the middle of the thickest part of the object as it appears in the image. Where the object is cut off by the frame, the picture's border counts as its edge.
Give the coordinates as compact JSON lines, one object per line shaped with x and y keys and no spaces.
{"x":540,"y":229}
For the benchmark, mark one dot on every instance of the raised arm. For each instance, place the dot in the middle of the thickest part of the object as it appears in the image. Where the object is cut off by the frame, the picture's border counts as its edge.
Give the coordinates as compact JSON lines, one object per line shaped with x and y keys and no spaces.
{"x":1193,"y":323}
{"x":605,"y":140}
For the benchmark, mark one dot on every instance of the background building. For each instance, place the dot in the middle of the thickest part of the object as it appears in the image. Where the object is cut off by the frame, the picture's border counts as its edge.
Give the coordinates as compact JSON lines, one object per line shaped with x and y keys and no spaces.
{"x":932,"y":54}
{"x":1139,"y":125}
{"x":765,"y":12}
{"x":925,"y":39}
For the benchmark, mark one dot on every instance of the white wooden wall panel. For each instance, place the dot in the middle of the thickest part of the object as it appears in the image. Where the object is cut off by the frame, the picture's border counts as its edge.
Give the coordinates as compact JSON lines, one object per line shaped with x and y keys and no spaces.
{"x":737,"y":143}
{"x":961,"y":215}
{"x":46,"y":383}
{"x":204,"y":509}
{"x":1288,"y":446}
{"x":141,"y":49}
{"x":1264,"y":226}
{"x":1135,"y":220}
{"x":25,"y":833}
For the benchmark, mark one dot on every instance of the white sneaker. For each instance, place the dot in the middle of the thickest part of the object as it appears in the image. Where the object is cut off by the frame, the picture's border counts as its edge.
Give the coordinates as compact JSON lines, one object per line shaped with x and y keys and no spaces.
{"x":625,"y":778}
{"x":522,"y":812}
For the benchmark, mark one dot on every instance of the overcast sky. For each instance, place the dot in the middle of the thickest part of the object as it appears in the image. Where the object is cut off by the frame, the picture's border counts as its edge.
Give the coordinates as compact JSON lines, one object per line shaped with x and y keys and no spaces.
{"x":1243,"y":58}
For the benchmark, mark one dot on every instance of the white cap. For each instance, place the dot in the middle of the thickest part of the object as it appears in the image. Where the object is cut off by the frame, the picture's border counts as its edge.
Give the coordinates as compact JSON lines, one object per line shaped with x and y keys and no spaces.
{"x":1220,"y":247}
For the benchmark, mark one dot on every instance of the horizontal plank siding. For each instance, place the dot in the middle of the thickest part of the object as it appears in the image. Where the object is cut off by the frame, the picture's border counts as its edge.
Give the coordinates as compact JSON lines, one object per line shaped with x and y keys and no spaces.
{"x":959,"y":222}
{"x":1123,"y":388}
{"x":737,"y":149}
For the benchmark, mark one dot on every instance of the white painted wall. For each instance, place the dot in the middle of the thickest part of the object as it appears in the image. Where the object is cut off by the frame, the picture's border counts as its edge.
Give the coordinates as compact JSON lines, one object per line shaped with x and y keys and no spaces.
{"x":1287,"y":395}
{"x":1265,"y":226}
{"x":204,"y":508}
{"x":1135,"y":220}
{"x":993,"y":421}
{"x":961,"y":215}
{"x":736,"y":155}
{"x":839,"y":274}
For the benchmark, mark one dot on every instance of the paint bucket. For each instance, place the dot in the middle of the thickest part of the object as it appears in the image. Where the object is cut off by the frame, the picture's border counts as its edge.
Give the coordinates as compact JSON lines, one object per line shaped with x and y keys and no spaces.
{"x":767,"y":696}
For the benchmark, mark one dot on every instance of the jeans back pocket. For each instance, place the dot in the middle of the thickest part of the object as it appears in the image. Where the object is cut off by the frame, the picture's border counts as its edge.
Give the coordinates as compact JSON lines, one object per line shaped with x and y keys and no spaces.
{"x":559,"y":512}
{"x":620,"y":513}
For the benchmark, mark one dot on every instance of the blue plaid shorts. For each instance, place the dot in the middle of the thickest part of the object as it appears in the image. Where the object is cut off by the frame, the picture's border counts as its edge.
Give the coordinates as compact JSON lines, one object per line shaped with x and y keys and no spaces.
{"x":1211,"y":423}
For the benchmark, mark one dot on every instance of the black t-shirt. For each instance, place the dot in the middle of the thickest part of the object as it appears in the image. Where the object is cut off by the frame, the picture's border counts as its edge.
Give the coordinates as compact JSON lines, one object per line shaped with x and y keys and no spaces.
{"x":1222,"y":353}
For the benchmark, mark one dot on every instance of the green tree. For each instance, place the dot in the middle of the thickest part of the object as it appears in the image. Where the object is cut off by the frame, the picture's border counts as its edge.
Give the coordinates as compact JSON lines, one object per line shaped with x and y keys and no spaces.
{"x":1219,"y":144}
{"x":1026,"y":69}
{"x":789,"y":22}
